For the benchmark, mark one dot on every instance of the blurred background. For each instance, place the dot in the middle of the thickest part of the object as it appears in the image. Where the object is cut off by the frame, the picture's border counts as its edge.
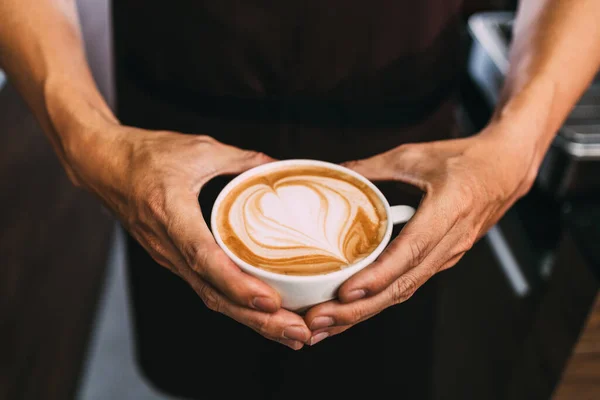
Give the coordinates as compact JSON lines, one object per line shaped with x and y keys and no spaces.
{"x":520,"y":320}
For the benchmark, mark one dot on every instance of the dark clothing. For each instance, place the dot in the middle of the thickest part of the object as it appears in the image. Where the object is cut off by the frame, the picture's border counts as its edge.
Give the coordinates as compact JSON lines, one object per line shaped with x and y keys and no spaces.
{"x":332,"y":80}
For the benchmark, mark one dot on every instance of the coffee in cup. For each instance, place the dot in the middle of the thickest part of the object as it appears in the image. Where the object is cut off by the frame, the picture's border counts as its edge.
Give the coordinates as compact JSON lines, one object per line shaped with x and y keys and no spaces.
{"x":302,"y":220}
{"x":303,"y":226}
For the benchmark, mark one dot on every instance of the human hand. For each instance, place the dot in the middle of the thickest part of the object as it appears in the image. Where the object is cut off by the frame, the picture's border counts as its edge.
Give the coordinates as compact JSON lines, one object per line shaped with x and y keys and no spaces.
{"x":468,"y":183}
{"x":151,"y":181}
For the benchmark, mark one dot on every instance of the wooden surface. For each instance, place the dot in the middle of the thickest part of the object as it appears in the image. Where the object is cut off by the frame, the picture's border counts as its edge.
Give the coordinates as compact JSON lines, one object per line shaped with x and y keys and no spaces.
{"x":53,"y":244}
{"x":581,"y":378}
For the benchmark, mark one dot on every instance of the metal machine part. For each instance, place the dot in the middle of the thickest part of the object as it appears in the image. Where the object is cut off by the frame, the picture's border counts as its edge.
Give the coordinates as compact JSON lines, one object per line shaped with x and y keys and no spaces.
{"x":2,"y":79}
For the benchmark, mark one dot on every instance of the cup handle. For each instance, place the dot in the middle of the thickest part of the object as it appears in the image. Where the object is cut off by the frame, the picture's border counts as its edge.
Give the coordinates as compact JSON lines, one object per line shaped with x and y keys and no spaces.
{"x":401,"y":214}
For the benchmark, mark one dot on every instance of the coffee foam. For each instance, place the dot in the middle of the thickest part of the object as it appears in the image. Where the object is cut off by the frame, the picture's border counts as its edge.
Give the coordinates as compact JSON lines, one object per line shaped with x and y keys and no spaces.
{"x":302,"y":220}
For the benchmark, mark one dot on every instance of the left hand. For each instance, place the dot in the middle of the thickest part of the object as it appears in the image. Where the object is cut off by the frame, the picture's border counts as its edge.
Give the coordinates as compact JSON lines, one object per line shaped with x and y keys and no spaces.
{"x":469,"y":184}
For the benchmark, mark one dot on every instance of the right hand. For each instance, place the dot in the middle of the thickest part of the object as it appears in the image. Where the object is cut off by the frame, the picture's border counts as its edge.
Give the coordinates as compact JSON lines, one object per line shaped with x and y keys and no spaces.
{"x":151,"y":181}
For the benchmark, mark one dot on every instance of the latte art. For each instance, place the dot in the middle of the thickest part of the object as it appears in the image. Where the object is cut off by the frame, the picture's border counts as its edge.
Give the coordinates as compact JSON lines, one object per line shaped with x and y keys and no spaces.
{"x":302,"y":221}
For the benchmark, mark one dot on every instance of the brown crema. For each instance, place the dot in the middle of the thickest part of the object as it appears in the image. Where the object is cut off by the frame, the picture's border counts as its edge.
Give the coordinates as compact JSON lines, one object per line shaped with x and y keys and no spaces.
{"x":302,"y":220}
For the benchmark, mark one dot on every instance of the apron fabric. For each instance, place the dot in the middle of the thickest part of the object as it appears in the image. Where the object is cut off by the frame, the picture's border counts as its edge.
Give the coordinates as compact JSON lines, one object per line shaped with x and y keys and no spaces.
{"x":331,"y":80}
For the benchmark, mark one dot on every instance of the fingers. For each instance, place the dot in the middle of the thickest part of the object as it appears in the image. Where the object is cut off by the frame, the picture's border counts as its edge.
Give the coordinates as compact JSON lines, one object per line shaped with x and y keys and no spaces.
{"x":407,"y":163}
{"x":451,"y":262}
{"x":452,"y":247}
{"x":233,"y":160}
{"x":333,"y":314}
{"x":191,"y":236}
{"x":445,"y":255}
{"x":292,"y":344}
{"x":282,"y":326}
{"x":375,"y":167}
{"x":322,"y":334}
{"x":420,"y":236}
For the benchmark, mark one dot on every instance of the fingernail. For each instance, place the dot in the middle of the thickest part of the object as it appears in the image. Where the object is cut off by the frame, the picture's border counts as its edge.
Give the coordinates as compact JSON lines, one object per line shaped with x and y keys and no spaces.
{"x":294,"y":332}
{"x":318,"y":337}
{"x":264,"y":304}
{"x":294,"y":345}
{"x":321,"y":322}
{"x":356,"y":295}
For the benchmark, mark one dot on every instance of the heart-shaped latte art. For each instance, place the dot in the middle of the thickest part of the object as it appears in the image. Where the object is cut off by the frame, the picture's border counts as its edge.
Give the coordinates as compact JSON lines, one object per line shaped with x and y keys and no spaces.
{"x":303,"y":224}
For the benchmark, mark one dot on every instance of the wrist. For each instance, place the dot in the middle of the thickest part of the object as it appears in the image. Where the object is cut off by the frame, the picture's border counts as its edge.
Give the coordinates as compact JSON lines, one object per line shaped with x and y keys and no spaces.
{"x":81,"y":122}
{"x":524,"y":116}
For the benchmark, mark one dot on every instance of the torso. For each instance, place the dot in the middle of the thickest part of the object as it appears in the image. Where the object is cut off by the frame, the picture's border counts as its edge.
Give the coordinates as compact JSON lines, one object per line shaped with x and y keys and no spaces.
{"x":337,"y":49}
{"x":169,"y":53}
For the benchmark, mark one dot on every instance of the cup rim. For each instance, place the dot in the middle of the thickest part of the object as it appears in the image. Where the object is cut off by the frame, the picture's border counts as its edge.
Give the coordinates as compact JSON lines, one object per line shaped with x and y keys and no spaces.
{"x":347,"y":271}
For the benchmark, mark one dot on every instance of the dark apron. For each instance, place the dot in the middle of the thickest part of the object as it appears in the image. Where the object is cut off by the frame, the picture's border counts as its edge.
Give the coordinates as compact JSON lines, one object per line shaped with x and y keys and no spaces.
{"x":332,"y":80}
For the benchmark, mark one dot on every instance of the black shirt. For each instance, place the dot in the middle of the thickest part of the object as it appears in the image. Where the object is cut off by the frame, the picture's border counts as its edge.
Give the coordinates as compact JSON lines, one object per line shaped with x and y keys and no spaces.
{"x":310,"y":70}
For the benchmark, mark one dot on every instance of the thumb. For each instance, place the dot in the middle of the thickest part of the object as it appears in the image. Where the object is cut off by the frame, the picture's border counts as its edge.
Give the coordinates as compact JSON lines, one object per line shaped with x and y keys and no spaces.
{"x":236,"y":161}
{"x":405,"y":163}
{"x":373,"y":168}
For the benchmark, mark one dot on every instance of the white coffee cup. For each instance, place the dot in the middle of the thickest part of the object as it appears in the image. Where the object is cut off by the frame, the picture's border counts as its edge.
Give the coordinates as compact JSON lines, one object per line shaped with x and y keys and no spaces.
{"x":300,"y":292}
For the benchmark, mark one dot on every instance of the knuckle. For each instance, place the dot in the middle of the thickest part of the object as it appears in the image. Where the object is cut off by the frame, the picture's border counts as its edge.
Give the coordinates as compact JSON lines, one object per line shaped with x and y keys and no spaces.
{"x":466,"y":242}
{"x":155,"y":200}
{"x":197,"y":255}
{"x":156,"y":246}
{"x":148,"y":200}
{"x":356,"y":314}
{"x":527,"y":183}
{"x":202,"y":140}
{"x":404,"y":288}
{"x":198,"y":258}
{"x":417,"y":246}
{"x":466,"y":198}
{"x":264,"y":325}
{"x":259,"y":157}
{"x":210,"y":298}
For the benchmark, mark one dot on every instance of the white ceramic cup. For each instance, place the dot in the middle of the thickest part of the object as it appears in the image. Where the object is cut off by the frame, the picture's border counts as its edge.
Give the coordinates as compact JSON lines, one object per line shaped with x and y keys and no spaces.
{"x":300,"y":292}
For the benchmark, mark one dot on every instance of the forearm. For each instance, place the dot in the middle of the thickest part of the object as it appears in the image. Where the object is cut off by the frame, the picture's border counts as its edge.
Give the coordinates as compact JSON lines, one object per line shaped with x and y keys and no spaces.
{"x":41,"y":49}
{"x":554,"y":57}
